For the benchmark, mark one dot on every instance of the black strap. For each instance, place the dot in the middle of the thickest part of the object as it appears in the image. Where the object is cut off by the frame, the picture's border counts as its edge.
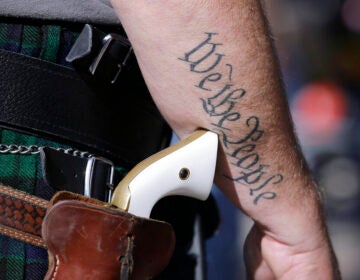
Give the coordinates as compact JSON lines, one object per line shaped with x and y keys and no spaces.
{"x":120,"y":123}
{"x":104,"y":56}
{"x":90,"y":176}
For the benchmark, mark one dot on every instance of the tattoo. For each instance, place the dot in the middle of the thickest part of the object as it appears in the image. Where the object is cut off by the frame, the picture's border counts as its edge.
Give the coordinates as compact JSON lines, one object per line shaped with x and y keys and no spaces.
{"x":221,"y":97}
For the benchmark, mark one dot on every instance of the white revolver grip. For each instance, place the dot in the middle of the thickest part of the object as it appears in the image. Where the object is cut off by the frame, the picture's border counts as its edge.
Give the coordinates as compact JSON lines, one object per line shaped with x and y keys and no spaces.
{"x":188,"y":171}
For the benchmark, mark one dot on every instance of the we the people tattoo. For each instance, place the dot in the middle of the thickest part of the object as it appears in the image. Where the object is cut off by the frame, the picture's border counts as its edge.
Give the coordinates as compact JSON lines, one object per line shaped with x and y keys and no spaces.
{"x":221,"y":96}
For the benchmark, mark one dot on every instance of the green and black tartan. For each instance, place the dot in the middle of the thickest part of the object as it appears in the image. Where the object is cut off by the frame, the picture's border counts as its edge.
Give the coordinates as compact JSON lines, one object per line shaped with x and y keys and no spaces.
{"x":19,"y":260}
{"x":47,"y":42}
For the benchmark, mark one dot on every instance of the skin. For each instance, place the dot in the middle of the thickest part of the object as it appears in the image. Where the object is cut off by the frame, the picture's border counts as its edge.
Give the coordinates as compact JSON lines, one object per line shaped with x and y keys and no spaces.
{"x":210,"y":64}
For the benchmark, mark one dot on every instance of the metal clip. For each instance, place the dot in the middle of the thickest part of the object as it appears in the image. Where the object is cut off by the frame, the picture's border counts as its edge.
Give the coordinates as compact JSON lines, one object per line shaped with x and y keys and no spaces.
{"x":102,"y":55}
{"x":112,"y":57}
{"x":90,"y":179}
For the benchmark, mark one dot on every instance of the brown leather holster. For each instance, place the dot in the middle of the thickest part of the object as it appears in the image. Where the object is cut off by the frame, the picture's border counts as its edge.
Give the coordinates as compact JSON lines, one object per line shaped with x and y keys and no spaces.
{"x":89,"y":239}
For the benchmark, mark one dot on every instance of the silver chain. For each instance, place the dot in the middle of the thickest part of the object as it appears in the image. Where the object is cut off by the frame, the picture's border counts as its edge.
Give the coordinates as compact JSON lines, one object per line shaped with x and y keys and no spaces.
{"x":34,"y":149}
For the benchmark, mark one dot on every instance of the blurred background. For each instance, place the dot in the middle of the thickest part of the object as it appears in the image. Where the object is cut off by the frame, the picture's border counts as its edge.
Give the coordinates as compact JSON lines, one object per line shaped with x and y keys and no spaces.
{"x":318,"y":44}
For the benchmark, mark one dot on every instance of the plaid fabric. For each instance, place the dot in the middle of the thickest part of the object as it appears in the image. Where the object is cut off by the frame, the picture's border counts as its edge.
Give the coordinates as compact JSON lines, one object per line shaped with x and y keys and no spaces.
{"x":17,"y":259}
{"x":47,"y":42}
{"x":20,"y":261}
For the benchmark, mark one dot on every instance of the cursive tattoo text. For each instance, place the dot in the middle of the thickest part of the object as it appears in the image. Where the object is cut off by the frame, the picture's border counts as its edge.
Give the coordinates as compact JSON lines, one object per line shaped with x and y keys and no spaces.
{"x":221,"y":97}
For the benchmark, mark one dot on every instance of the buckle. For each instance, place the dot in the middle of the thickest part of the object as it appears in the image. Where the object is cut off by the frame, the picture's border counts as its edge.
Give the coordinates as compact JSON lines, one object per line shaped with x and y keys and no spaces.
{"x":92,"y":177}
{"x":112,"y":58}
{"x":104,"y":56}
{"x":99,"y":168}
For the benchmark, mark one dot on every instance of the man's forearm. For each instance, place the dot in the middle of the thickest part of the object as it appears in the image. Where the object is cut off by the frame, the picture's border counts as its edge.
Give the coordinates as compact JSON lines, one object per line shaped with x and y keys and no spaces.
{"x":210,"y":64}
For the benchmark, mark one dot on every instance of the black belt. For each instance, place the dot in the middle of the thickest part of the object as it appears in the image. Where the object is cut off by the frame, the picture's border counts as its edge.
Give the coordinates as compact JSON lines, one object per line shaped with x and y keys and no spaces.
{"x":120,"y":122}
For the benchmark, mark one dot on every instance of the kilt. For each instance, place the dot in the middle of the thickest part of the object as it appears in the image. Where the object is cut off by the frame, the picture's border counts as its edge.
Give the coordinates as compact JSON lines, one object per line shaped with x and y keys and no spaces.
{"x":18,"y":260}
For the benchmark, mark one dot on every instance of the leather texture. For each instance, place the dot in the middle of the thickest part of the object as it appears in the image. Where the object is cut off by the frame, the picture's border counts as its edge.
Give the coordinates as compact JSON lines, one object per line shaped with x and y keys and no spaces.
{"x":120,"y":123}
{"x":86,"y":240}
{"x":21,"y":215}
{"x":64,"y":171}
